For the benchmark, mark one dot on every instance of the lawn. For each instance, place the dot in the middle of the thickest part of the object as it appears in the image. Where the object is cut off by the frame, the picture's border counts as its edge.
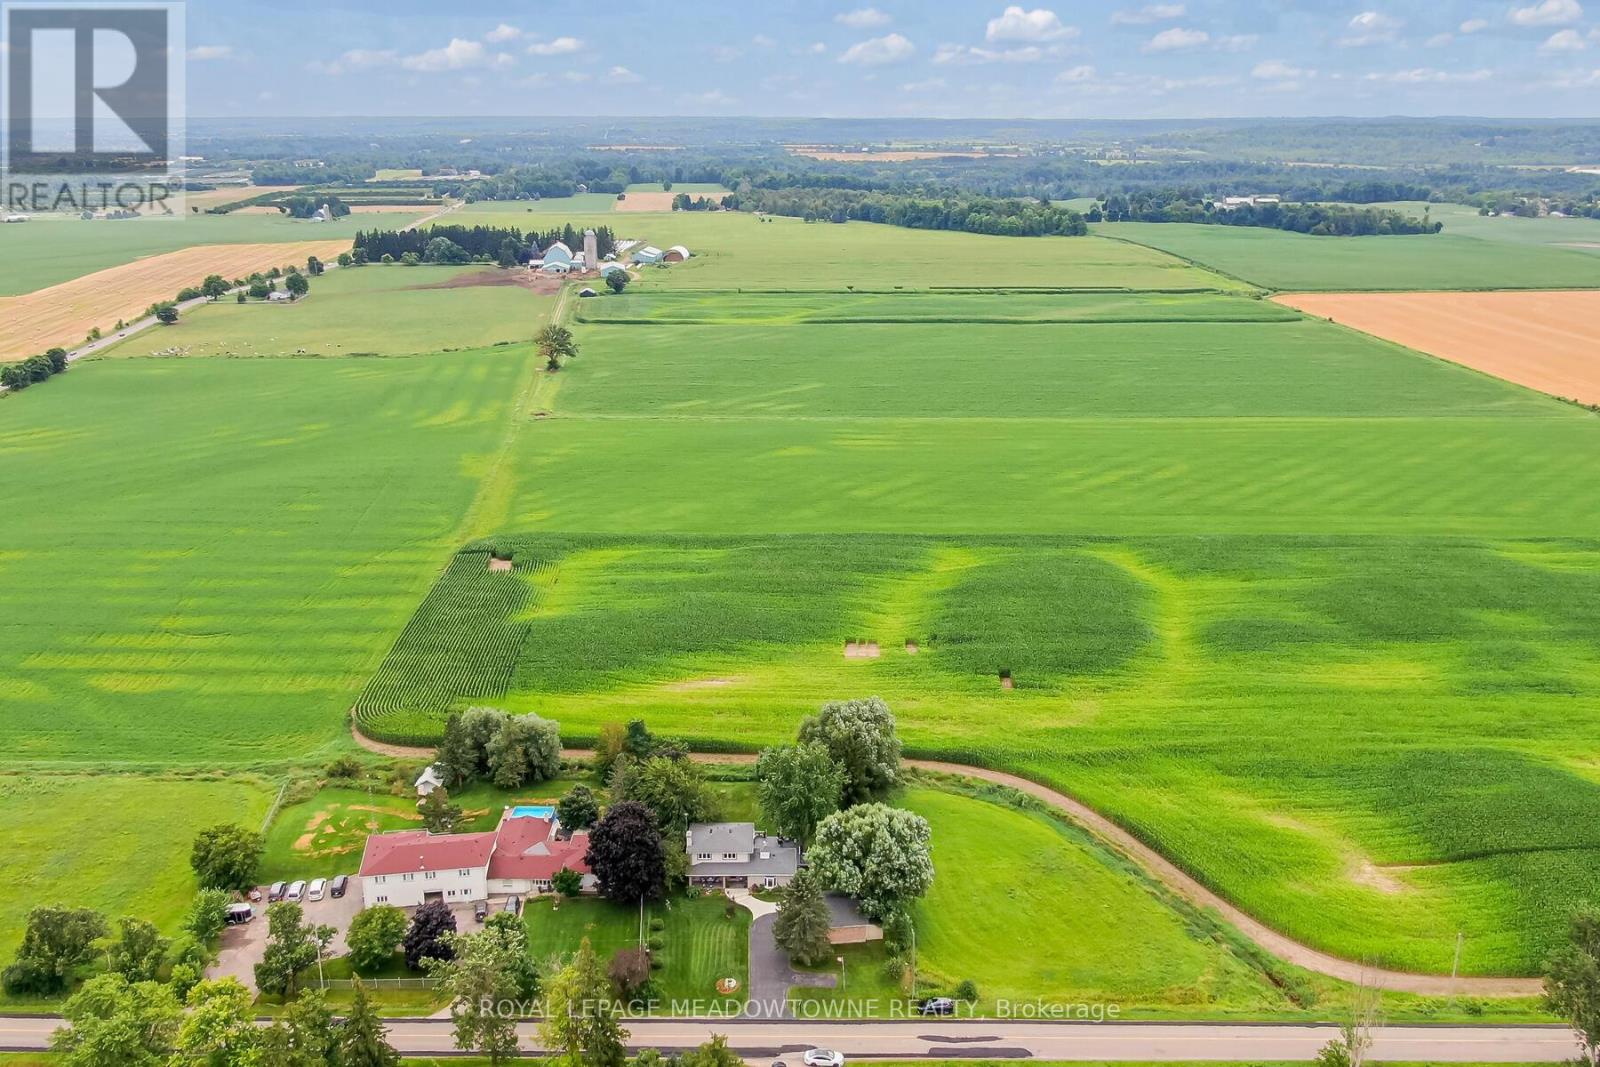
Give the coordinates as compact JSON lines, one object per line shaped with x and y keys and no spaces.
{"x":705,"y":939}
{"x":376,"y":310}
{"x":117,"y":844}
{"x":1286,"y":261}
{"x":49,"y":250}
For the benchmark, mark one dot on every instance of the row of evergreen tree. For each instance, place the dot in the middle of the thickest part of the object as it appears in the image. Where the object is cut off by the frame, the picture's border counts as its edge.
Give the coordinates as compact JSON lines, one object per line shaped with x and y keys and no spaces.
{"x":1321,"y":220}
{"x":477,"y":241}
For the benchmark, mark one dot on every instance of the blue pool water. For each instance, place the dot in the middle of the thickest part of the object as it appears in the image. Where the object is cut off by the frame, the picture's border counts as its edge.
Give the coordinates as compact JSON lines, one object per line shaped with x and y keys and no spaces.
{"x":533,"y":811}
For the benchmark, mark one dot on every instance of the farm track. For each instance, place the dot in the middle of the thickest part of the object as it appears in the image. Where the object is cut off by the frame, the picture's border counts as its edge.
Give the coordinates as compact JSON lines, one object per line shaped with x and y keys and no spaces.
{"x":1158,"y":867}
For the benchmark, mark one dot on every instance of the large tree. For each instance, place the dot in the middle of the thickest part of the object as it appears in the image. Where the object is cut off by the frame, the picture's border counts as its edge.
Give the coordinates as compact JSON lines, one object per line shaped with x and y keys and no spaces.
{"x":292,"y":947}
{"x":138,"y":950}
{"x":626,"y":854}
{"x":219,"y":1029}
{"x":579,"y":809}
{"x":463,"y":755}
{"x":115,"y":1023}
{"x":207,"y":915}
{"x":363,"y":1039}
{"x":305,"y":1035}
{"x":860,"y":735}
{"x":582,"y":1019}
{"x":803,"y":921}
{"x":226,"y":857}
{"x":439,"y":815}
{"x":877,"y":854}
{"x":374,"y":935}
{"x":1572,"y":982}
{"x":674,"y":790}
{"x":799,"y":786}
{"x":55,"y":944}
{"x":427,"y":939}
{"x":526,"y":749}
{"x":480,"y":979}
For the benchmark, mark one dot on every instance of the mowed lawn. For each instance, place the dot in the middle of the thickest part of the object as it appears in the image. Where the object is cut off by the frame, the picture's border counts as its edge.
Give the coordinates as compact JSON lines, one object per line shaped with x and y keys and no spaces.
{"x":734,"y":251}
{"x":374,"y":310}
{"x":203,"y":558}
{"x":1280,"y":260}
{"x":704,"y":940}
{"x":46,"y":251}
{"x":119,"y":845}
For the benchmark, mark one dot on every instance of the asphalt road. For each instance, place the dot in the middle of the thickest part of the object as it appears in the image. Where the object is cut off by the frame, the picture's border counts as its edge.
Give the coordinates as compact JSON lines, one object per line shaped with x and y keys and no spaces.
{"x":762,"y":1041}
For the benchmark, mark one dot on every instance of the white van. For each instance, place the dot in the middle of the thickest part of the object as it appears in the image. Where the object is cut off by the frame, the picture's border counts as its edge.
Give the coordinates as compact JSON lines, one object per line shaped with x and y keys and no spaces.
{"x":297,"y":891}
{"x":319,"y":887}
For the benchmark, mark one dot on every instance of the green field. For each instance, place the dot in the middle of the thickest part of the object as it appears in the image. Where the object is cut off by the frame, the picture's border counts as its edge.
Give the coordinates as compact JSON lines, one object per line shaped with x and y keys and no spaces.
{"x":378,"y":310}
{"x":48,"y":251}
{"x":1276,"y":259}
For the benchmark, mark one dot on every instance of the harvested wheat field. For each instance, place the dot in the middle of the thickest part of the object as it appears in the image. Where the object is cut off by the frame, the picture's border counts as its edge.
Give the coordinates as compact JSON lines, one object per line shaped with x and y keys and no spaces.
{"x":646,"y":202}
{"x":63,"y":314}
{"x":1548,"y":341}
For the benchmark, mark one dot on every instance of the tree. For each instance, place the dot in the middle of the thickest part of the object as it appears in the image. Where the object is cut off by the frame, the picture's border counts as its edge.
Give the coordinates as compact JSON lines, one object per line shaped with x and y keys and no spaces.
{"x":374,"y":935}
{"x":167,"y":314}
{"x":345,"y":259}
{"x":259,"y":290}
{"x":608,"y":748}
{"x":512,"y":934}
{"x":117,"y":1023}
{"x":674,"y":790}
{"x":138,"y":951}
{"x":226,"y":857}
{"x":479,"y":977}
{"x":444,"y":250}
{"x":524,"y":750}
{"x":626,"y":855}
{"x":207,"y":915}
{"x":555,"y":344}
{"x":303,"y":1036}
{"x":799,"y":786}
{"x":220,"y":1027}
{"x":463,"y":754}
{"x":292,"y":947}
{"x":430,"y":925}
{"x":803,"y":921}
{"x":714,"y":1053}
{"x":860,"y":735}
{"x":617,"y":281}
{"x":297,"y":285}
{"x":56,"y":942}
{"x":439,"y":815}
{"x":579,"y":809}
{"x":567,"y":882}
{"x":629,"y":970}
{"x":639,"y":742}
{"x":215,"y":287}
{"x":1572,"y":982}
{"x":314,"y":266}
{"x":363,"y":1039}
{"x":877,"y":854}
{"x":582,"y":1018}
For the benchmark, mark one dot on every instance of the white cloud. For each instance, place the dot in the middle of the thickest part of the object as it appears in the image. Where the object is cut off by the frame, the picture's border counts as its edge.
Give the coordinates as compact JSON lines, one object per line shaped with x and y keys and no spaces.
{"x":561,"y":46}
{"x":865,"y":18}
{"x":1547,"y":13}
{"x":1439,"y":40}
{"x":1564,"y":41}
{"x":761,"y":40}
{"x":927,"y":86}
{"x":1076,"y":75}
{"x":1429,"y":76}
{"x":622,"y":76}
{"x":815,"y":48}
{"x":962,"y":55}
{"x":1177,"y":39}
{"x":1369,"y":28}
{"x":1235,"y":42}
{"x":714,"y":98}
{"x":361,"y":59}
{"x":502,"y":33}
{"x":211,"y":51}
{"x":1148,"y":14}
{"x":879,"y":51}
{"x":1276,"y":70}
{"x":1015,"y":24}
{"x":1576,"y":79}
{"x":457,"y":55}
{"x":1474,"y":25}
{"x":726,"y":53}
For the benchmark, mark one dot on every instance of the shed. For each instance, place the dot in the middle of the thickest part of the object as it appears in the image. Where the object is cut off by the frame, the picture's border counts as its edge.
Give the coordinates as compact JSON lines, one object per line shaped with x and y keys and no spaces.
{"x":675,"y":254}
{"x":608,"y":269}
{"x":428,"y":781}
{"x":648,"y":254}
{"x":846,"y":924}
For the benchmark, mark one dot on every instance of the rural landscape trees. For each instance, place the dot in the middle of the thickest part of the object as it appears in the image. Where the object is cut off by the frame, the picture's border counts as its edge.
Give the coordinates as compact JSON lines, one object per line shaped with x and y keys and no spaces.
{"x":877,"y":854}
{"x":226,"y":857}
{"x":626,"y":854}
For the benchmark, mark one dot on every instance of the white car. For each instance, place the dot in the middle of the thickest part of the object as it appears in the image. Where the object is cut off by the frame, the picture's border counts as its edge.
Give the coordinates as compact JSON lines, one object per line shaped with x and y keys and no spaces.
{"x":317,"y":889}
{"x":297,"y":892}
{"x":824,"y":1057}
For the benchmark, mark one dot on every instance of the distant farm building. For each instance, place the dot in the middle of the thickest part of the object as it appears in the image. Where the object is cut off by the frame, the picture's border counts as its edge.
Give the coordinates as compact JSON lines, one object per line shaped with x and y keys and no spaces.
{"x":591,"y":248}
{"x":648,"y":254}
{"x":16,"y":218}
{"x":278,"y":297}
{"x":608,"y":269}
{"x":675,"y":254}
{"x":558,"y":253}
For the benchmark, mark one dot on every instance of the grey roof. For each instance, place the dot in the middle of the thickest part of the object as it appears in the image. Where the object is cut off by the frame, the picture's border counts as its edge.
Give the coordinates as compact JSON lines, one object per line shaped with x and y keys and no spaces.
{"x":843,"y":911}
{"x":720,"y":837}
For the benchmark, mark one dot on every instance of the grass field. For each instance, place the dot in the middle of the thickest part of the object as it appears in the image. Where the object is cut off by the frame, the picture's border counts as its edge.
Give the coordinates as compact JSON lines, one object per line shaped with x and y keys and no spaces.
{"x":1276,"y":259}
{"x":704,"y":939}
{"x":376,"y":310}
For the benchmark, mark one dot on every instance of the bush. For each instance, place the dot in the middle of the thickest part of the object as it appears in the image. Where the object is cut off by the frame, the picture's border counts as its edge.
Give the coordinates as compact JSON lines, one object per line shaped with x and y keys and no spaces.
{"x":657,"y":923}
{"x":967,"y":990}
{"x":657,"y":943}
{"x":346,"y":768}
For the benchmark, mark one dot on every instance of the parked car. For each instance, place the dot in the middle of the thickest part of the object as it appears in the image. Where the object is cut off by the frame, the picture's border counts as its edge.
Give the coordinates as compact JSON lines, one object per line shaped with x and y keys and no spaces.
{"x":238,"y":914}
{"x":276,"y":891}
{"x":937,"y":1006}
{"x":317,"y":890}
{"x":824,"y":1057}
{"x":514,"y":905}
{"x":255,"y":895}
{"x":480,"y":910}
{"x":340,"y":884}
{"x":297,"y":891}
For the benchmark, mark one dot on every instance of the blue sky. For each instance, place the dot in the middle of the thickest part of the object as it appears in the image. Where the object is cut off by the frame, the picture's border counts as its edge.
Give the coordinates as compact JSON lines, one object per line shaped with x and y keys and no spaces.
{"x":932,"y":58}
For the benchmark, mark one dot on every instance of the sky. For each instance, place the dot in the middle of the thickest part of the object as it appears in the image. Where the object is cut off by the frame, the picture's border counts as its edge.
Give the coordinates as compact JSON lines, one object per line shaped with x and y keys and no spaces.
{"x":922,"y":58}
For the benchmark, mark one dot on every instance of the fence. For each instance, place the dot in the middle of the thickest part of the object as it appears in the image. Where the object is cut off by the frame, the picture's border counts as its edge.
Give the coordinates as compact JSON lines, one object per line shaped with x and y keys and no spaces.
{"x":374,"y":984}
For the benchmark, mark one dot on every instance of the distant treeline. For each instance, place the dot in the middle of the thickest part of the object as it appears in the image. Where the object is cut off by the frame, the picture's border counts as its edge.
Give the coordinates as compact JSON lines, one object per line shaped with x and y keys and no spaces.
{"x":1005,"y":218}
{"x":1319,"y":220}
{"x":492,"y":242}
{"x":34,"y":369}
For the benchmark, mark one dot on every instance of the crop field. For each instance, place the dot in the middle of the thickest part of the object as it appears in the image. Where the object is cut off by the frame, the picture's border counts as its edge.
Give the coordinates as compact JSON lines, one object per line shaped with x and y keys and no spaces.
{"x":1276,"y":259}
{"x":64,"y":314}
{"x":49,"y":251}
{"x":376,"y":310}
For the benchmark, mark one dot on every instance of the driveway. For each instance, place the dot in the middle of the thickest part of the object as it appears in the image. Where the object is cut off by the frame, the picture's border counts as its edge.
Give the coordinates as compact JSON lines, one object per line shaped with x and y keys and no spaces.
{"x":771,"y":977}
{"x":243,"y":946}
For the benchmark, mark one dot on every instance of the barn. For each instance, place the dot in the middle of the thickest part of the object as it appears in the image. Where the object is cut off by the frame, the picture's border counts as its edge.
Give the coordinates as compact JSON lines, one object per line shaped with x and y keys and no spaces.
{"x":675,"y":254}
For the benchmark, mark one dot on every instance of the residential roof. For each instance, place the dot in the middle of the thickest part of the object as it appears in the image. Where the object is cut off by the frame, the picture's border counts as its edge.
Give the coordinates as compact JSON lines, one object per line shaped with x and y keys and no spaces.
{"x":767,"y":854}
{"x":428,"y":776}
{"x":844,"y":912}
{"x":720,"y":837}
{"x":413,"y":851}
{"x":529,"y":847}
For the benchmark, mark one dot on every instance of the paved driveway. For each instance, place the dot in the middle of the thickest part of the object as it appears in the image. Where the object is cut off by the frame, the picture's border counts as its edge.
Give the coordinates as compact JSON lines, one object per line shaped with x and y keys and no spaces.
{"x":243,"y":946}
{"x":771,"y":976}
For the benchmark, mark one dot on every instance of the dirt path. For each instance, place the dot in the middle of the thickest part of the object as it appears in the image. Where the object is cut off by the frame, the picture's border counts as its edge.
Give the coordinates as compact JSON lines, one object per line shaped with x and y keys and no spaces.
{"x":1160,"y":868}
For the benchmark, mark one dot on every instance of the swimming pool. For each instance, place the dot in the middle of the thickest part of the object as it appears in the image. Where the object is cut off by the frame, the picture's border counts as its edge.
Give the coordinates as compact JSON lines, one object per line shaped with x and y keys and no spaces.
{"x":533,"y":811}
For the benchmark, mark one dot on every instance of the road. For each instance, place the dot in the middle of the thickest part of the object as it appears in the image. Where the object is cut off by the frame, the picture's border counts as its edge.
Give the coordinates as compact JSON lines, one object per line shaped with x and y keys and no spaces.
{"x":762,"y":1041}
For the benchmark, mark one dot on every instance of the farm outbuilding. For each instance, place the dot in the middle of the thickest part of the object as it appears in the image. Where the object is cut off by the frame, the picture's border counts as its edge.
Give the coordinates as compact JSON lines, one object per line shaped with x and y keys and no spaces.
{"x":648,"y":254}
{"x":608,"y":269}
{"x":558,"y":253}
{"x":675,"y":254}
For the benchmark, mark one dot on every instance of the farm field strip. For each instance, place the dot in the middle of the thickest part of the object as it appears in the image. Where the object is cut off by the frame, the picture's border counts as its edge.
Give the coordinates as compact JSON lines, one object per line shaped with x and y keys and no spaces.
{"x":1549,"y":341}
{"x":64,"y":313}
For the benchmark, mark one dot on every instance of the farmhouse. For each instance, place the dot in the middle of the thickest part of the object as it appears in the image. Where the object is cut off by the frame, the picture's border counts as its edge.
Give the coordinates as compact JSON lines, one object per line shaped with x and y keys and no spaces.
{"x":520,"y":857}
{"x":735,"y":855}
